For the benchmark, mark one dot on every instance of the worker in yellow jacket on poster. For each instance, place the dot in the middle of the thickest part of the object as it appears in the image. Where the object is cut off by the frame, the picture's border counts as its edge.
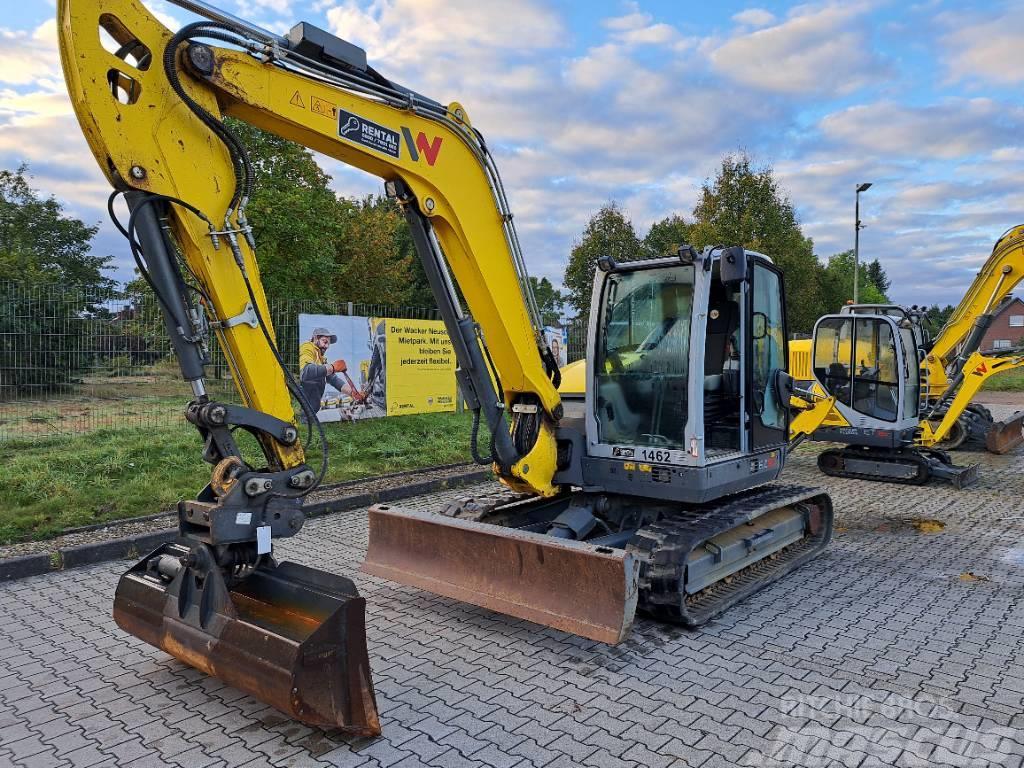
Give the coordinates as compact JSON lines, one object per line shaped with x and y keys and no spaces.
{"x":315,"y":372}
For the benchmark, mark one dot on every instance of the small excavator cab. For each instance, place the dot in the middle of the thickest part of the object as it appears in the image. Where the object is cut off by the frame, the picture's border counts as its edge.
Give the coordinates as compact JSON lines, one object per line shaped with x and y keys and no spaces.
{"x":869,"y":364}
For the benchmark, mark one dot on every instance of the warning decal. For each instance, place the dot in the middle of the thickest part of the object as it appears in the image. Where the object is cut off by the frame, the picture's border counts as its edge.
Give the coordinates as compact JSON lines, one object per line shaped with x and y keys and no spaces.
{"x":369,"y":134}
{"x":319,"y":106}
{"x":297,"y":101}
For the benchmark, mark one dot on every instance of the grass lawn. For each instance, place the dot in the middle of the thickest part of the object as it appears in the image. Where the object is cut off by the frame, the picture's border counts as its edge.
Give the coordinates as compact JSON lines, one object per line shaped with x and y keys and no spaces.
{"x":50,"y":484}
{"x":1009,"y":381}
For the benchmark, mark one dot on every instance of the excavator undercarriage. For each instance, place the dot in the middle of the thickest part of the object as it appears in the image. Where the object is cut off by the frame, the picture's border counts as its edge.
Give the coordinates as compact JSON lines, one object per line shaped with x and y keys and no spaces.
{"x":686,"y":565}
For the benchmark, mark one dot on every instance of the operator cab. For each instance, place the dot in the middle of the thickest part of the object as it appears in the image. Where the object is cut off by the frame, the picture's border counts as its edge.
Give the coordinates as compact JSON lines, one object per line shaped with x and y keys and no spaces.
{"x":682,"y":394}
{"x":869,"y":362}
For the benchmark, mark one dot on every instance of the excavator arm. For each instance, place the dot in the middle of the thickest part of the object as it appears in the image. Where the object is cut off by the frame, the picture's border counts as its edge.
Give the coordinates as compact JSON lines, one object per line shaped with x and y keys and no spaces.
{"x":962,"y":334}
{"x":151,"y":111}
{"x":150,"y":102}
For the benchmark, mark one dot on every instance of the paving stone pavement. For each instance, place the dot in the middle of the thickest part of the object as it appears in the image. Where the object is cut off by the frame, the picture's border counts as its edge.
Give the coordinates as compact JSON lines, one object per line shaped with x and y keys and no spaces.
{"x":880,"y":652}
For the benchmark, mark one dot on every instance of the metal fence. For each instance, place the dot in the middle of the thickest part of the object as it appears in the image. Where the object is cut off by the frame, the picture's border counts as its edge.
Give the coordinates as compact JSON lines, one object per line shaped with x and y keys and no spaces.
{"x":576,"y":332}
{"x":72,"y":361}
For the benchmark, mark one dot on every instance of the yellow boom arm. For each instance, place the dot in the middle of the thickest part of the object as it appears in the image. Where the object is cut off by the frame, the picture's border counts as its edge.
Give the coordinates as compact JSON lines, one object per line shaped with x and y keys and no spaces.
{"x":146,"y":138}
{"x":1000,"y":274}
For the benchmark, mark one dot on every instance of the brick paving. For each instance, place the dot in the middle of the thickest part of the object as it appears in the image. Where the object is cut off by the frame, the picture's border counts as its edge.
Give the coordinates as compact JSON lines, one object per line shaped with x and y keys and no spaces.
{"x":881,"y":652}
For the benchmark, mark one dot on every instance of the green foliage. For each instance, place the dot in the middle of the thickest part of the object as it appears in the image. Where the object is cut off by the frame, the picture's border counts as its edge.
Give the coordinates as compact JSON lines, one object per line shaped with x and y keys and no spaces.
{"x":297,"y":220}
{"x":608,"y":233}
{"x":744,"y":206}
{"x":375,"y":257}
{"x":1007,"y":381}
{"x":58,"y":280}
{"x":665,"y":236}
{"x":878,"y":277}
{"x":314,"y":245}
{"x":39,"y":244}
{"x":837,"y":284}
{"x":550,"y":301}
{"x":937,"y":317}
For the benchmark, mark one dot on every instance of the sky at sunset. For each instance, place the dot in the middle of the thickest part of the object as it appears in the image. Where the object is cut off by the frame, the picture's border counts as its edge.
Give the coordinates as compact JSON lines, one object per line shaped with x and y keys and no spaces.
{"x":637,"y":102}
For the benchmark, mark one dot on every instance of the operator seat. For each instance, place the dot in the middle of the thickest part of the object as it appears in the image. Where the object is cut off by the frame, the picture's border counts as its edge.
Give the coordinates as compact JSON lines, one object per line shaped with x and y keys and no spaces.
{"x":721,"y":385}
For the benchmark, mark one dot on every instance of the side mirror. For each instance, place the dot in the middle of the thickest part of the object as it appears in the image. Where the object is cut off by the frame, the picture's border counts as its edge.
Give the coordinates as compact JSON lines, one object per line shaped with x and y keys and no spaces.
{"x":782,"y":384}
{"x":687,"y":254}
{"x":733,"y":265}
{"x":759,"y":326}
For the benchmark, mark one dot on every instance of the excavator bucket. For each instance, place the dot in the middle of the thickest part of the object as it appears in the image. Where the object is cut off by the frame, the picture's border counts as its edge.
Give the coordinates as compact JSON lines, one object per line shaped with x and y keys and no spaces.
{"x":569,"y":585}
{"x":1003,"y":436}
{"x":291,"y":636}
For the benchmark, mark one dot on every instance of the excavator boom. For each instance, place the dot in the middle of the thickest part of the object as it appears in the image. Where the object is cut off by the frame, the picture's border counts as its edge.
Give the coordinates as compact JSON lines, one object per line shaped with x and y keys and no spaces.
{"x":151,"y":104}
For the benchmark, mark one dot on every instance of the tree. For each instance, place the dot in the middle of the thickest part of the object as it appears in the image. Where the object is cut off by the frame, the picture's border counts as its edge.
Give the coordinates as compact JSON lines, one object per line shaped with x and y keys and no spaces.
{"x":59,"y":286}
{"x":297,"y":220}
{"x":744,"y":206}
{"x":666,"y":236}
{"x":937,"y":317}
{"x":376,"y":256}
{"x":608,"y":233}
{"x":837,"y":285}
{"x":878,"y":277}
{"x":550,"y":300}
{"x":39,"y":244}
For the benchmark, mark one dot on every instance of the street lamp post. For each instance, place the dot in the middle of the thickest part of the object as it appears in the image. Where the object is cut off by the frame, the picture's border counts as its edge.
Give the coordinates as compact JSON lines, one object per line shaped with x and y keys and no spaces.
{"x":857,"y":226}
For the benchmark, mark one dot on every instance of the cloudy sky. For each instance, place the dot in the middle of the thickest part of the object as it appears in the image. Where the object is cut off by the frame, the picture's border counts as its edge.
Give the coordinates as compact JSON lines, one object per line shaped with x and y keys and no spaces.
{"x":638,"y":101}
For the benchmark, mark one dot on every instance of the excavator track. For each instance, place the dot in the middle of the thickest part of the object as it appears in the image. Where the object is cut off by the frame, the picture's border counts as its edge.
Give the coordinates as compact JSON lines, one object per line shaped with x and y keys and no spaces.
{"x":666,"y":551}
{"x":901,"y":467}
{"x":908,"y":467}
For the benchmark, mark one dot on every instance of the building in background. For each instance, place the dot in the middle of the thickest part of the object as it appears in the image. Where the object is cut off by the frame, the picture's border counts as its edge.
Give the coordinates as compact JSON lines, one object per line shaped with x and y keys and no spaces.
{"x":1007,"y":329}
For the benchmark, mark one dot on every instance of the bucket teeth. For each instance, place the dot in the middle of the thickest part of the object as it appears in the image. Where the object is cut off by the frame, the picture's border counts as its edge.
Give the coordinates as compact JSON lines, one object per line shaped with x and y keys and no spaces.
{"x":291,"y":636}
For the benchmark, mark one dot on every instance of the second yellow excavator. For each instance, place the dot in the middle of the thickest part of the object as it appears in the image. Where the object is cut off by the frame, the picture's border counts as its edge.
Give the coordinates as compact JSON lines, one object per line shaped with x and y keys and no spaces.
{"x":900,"y":400}
{"x":655,"y":493}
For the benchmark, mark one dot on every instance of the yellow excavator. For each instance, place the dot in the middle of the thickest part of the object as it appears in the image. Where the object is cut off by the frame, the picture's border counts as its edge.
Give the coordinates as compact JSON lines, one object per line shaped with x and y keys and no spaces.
{"x":900,"y":400}
{"x":655,"y":493}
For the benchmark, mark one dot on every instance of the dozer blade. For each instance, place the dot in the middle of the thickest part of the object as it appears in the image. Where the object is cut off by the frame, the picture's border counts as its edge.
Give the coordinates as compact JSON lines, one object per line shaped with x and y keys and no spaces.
{"x":291,"y":636}
{"x":1003,"y":436}
{"x":569,"y":585}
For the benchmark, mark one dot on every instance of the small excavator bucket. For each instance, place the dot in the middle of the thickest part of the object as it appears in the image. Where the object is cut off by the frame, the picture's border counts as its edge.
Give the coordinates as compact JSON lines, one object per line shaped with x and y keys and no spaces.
{"x":1003,"y":436}
{"x":291,"y":636}
{"x":569,"y":585}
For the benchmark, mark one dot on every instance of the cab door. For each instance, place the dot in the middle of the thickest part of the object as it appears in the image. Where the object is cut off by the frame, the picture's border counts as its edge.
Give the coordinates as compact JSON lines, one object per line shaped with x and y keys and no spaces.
{"x":768,"y":353}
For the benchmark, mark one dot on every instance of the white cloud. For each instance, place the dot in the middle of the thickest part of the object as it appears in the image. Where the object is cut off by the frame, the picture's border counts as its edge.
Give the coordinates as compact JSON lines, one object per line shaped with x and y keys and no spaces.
{"x":409,"y":32}
{"x":950,"y":129}
{"x":824,"y":50}
{"x":989,"y":49}
{"x":27,"y":57}
{"x":636,"y":28}
{"x":754,"y":17}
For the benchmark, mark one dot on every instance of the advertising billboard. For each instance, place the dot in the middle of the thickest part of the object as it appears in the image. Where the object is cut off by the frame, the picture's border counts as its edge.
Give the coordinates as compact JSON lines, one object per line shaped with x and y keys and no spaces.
{"x":365,"y":367}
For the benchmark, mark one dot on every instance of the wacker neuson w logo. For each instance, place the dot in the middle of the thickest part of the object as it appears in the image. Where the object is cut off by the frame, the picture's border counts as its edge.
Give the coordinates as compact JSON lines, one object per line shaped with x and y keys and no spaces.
{"x":374,"y":136}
